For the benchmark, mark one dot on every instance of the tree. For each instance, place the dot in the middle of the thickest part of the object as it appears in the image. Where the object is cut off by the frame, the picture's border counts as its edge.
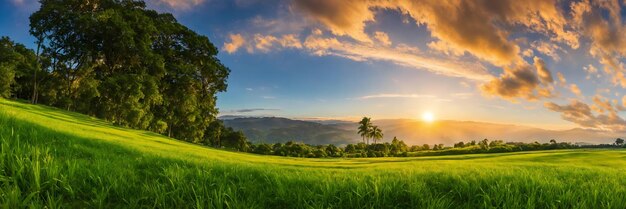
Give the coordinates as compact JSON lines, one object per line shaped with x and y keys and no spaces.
{"x":213,"y":133}
{"x":117,"y":60}
{"x":484,"y":144}
{"x":459,"y":145}
{"x":16,"y":64}
{"x":350,"y":148}
{"x":619,"y":141}
{"x":376,"y":134}
{"x":398,"y":146}
{"x":364,"y":129}
{"x":333,"y":151}
{"x":263,"y":149}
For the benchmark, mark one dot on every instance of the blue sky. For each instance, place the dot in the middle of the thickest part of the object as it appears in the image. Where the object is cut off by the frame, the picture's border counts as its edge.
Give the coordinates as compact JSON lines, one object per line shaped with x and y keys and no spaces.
{"x":540,"y":63}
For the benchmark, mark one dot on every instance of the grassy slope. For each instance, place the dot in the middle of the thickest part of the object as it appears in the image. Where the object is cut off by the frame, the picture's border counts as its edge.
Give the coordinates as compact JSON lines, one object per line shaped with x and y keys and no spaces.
{"x":57,"y":158}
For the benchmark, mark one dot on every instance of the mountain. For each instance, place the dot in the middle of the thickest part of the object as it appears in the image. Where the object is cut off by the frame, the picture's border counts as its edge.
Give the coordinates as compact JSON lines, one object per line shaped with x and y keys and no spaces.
{"x":275,"y":129}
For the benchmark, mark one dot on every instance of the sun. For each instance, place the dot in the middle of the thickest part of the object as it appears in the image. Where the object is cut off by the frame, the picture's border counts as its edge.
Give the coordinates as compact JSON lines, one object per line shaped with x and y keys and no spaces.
{"x":428,"y":117}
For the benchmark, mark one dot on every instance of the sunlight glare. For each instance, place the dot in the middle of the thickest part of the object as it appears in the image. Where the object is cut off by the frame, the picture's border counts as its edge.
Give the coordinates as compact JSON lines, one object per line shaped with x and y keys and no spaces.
{"x":428,"y":117}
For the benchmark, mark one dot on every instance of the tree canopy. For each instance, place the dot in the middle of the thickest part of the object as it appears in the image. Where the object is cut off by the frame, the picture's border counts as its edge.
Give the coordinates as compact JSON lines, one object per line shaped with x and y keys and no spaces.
{"x":117,"y":60}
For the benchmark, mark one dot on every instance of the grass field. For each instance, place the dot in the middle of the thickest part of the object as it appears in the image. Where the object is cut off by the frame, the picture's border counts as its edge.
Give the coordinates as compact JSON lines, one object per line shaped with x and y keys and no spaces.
{"x":54,"y":158}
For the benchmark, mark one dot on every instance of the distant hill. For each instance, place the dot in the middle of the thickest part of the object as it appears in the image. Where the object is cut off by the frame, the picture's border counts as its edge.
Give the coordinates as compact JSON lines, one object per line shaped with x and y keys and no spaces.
{"x":275,"y":129}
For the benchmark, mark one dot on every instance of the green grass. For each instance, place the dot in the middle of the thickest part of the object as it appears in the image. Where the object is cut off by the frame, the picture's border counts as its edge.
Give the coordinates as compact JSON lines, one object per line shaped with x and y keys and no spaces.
{"x":57,"y":159}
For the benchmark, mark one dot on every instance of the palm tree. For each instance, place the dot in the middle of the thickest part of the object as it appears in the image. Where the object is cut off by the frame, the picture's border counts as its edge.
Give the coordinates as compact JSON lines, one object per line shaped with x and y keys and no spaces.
{"x":376,"y":133}
{"x":364,"y":128}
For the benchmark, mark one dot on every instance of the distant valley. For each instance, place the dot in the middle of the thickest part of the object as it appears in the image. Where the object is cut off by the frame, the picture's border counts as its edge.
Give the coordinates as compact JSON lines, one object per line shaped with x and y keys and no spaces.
{"x":276,"y":129}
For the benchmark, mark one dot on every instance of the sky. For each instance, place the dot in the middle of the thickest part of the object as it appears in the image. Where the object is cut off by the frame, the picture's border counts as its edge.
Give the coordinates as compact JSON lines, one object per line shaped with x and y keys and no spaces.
{"x":543,"y":63}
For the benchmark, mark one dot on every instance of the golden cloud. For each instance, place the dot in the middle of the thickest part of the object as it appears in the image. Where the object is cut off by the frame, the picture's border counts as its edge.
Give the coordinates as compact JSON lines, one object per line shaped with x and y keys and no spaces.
{"x":401,"y":55}
{"x":472,"y":26}
{"x":236,"y":41}
{"x":581,"y":114}
{"x":522,"y":81}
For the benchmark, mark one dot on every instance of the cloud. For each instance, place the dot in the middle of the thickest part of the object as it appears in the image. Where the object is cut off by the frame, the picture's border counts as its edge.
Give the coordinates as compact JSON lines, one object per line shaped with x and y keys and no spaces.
{"x":290,"y":41}
{"x":544,"y":74}
{"x":477,"y":27}
{"x":602,"y":105}
{"x":562,"y":81}
{"x":574,"y":88}
{"x":601,"y":22}
{"x":266,"y":43}
{"x":581,"y":114}
{"x":18,"y":2}
{"x":383,"y":38}
{"x":445,"y":48}
{"x":236,"y":41}
{"x":401,"y":55}
{"x":548,"y":49}
{"x":345,"y":17}
{"x":462,"y":95}
{"x":528,"y":53}
{"x":179,"y":4}
{"x":482,"y":29}
{"x":412,"y":96}
{"x":465,"y":36}
{"x":251,"y":110}
{"x":521,"y":82}
{"x":591,"y":72}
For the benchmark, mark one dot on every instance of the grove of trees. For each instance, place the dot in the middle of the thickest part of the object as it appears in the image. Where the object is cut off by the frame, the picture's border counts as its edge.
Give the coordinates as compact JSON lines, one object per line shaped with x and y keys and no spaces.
{"x":117,"y":60}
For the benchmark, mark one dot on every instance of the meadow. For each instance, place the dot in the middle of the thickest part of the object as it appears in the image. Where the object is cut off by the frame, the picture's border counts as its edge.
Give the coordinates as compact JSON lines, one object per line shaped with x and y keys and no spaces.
{"x":58,"y":159}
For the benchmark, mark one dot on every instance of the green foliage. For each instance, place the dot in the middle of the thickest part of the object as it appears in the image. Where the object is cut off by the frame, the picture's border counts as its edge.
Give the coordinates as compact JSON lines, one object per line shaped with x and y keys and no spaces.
{"x":117,"y":60}
{"x":17,"y":63}
{"x":368,"y":130}
{"x":365,"y":128}
{"x":7,"y":78}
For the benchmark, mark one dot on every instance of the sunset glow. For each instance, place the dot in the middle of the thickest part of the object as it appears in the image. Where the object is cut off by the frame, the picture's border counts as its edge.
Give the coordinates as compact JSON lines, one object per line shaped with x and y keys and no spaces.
{"x":428,"y":117}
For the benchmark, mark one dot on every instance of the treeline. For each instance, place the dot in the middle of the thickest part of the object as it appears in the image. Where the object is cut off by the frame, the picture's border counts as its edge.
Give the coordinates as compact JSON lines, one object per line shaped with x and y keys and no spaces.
{"x":235,"y":140}
{"x":117,"y":60}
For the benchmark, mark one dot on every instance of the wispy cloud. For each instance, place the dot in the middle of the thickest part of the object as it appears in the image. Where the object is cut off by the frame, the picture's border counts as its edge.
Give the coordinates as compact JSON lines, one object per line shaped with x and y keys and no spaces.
{"x":178,"y":4}
{"x":412,"y":96}
{"x":251,"y":110}
{"x":321,"y":46}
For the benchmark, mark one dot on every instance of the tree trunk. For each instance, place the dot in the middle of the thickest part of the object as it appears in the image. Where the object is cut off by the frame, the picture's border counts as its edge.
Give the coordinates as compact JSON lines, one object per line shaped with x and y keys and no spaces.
{"x":33,"y":99}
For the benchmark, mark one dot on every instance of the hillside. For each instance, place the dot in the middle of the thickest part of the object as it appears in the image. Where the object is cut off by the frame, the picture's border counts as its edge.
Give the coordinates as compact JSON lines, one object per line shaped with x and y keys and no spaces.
{"x":275,"y":129}
{"x":53,"y":158}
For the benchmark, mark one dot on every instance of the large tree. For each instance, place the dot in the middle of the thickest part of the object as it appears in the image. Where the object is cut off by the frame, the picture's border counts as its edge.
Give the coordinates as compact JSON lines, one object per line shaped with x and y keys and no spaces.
{"x":136,"y":67}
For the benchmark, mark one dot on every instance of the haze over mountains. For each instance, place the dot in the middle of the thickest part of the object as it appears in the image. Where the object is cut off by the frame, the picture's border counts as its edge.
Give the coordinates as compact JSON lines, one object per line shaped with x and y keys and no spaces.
{"x":276,"y":129}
